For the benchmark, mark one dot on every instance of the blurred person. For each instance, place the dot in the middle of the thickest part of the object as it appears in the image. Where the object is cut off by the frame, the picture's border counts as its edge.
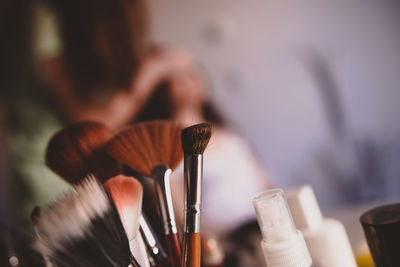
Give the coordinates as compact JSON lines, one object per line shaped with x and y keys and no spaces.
{"x":103,"y":66}
{"x":98,"y":47}
{"x":232,"y":174}
{"x":107,"y":69}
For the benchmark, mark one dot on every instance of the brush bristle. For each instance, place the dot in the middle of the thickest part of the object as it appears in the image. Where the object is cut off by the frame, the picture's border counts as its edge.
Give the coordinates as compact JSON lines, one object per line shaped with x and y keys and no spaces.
{"x":195,"y":138}
{"x":77,"y":150}
{"x":144,"y":145}
{"x":127,"y":194}
{"x":83,"y":228}
{"x":35,"y":214}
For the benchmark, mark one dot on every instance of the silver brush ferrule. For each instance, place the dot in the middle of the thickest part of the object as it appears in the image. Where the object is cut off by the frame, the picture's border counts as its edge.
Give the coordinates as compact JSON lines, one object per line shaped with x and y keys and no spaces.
{"x":193,"y":172}
{"x":161,"y":174}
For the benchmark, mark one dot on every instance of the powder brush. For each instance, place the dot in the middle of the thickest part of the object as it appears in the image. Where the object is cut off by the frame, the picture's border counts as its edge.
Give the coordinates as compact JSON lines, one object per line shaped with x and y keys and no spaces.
{"x":153,"y":149}
{"x":127,"y":194}
{"x":194,"y":141}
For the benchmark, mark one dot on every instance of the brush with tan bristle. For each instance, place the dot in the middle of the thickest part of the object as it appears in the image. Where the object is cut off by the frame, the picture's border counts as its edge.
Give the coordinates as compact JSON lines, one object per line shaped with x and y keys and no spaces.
{"x":194,"y":141}
{"x":153,"y":149}
{"x":77,"y":151}
{"x":83,"y":228}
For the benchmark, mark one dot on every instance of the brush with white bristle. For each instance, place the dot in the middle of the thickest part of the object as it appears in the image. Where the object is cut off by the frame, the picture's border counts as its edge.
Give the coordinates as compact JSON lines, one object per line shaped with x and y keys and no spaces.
{"x":127,"y":194}
{"x":83,"y":229}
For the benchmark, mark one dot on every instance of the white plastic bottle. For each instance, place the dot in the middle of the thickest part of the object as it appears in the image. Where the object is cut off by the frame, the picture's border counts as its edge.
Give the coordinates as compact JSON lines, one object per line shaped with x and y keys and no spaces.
{"x":282,"y":244}
{"x":326,"y":238}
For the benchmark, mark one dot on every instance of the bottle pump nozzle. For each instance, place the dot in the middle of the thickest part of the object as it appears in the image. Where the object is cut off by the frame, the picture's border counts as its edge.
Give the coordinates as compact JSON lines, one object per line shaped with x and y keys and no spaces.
{"x":282,"y":243}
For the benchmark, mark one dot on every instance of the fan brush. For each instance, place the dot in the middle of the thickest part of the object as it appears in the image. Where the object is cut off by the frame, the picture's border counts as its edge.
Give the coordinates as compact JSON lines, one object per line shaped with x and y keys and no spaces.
{"x":153,"y":149}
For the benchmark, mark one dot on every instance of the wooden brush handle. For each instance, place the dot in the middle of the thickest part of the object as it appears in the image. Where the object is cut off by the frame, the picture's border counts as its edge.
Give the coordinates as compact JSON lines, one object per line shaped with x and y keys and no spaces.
{"x":174,"y":249}
{"x":191,"y":250}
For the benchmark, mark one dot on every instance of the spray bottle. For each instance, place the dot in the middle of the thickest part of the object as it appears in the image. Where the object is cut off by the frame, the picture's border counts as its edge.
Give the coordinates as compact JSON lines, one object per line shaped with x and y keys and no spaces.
{"x":283,"y":245}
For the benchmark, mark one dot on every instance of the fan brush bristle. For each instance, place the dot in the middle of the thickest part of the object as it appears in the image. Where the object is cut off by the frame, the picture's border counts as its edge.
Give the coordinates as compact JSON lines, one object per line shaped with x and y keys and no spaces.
{"x":83,"y":228}
{"x":144,"y":145}
{"x":195,"y":138}
{"x":77,"y":150}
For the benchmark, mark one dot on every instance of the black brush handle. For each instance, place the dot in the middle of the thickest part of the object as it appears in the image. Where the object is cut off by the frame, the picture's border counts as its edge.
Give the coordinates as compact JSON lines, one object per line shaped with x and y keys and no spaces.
{"x":156,"y":254}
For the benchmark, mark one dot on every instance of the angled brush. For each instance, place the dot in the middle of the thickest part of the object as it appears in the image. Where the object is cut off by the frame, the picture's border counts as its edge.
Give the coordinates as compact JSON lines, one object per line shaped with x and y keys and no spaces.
{"x":153,"y":149}
{"x":194,"y":141}
{"x":78,"y":150}
{"x":83,"y":229}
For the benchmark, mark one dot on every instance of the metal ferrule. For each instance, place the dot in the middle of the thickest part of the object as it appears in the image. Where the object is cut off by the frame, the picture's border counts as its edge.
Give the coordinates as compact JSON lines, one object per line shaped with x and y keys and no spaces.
{"x":161,"y":174}
{"x":193,"y":172}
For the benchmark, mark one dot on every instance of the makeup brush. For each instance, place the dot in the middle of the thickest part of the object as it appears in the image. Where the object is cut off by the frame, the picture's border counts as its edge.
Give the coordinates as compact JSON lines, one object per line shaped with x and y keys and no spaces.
{"x":77,"y":151}
{"x":152,"y":149}
{"x":194,"y":142}
{"x":127,"y":194}
{"x":83,"y":229}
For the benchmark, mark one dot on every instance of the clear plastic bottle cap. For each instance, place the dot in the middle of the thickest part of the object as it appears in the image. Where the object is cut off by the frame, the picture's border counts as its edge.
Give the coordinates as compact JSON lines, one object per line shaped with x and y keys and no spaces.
{"x":283,"y":244}
{"x":273,"y":216}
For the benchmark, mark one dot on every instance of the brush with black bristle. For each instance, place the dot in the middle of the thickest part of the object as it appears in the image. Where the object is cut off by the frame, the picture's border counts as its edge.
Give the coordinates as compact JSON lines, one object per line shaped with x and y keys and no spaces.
{"x":77,"y":151}
{"x":194,"y":141}
{"x":83,"y":229}
{"x":153,"y":149}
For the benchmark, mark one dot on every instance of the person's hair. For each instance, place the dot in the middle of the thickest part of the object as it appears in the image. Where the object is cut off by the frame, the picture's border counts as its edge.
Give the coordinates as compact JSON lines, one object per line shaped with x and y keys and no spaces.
{"x":160,"y":106}
{"x":102,"y":42}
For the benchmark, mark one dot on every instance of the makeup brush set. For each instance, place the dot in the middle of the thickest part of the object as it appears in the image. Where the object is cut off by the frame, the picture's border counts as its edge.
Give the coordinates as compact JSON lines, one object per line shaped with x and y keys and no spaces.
{"x":100,"y":222}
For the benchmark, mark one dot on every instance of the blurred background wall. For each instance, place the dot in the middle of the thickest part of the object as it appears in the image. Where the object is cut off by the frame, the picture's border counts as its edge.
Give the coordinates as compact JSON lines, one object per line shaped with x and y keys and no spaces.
{"x":314,"y":85}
